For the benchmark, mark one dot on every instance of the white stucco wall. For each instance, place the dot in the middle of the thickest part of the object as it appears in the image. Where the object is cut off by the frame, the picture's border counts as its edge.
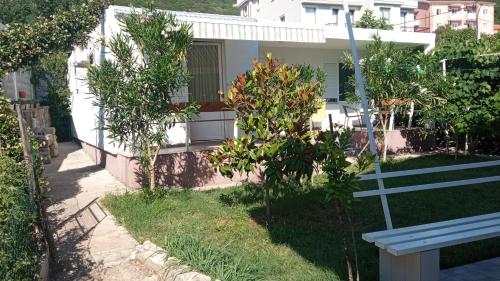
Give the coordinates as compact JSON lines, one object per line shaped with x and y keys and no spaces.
{"x":22,"y":79}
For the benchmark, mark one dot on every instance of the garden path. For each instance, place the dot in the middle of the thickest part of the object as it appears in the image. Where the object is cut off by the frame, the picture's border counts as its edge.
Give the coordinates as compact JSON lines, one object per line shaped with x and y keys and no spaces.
{"x":90,"y":245}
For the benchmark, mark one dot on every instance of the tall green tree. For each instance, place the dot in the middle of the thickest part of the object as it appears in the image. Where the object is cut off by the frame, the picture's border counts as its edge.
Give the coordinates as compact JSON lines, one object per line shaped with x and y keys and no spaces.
{"x":273,"y":105}
{"x":22,"y":45}
{"x":15,"y":11}
{"x":472,"y":111}
{"x":135,"y":88}
{"x":368,"y":20}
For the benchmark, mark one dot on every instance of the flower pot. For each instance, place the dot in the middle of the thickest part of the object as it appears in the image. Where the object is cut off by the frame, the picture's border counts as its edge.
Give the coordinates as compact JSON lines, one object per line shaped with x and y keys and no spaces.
{"x":23,"y":94}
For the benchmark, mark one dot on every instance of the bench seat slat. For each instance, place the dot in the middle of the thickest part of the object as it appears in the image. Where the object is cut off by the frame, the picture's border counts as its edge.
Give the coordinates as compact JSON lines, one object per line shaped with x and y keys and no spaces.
{"x":417,"y":236}
{"x":421,"y":187}
{"x":431,"y":170}
{"x":371,"y":237}
{"x":444,"y":241}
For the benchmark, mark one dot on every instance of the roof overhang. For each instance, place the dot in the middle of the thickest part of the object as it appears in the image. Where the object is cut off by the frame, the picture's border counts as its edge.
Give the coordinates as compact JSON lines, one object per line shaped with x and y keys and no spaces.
{"x":222,"y":27}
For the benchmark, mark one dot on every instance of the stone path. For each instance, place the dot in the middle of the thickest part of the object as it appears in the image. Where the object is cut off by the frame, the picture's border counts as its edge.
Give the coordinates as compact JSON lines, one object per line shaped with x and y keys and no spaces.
{"x":90,"y":245}
{"x":487,"y":270}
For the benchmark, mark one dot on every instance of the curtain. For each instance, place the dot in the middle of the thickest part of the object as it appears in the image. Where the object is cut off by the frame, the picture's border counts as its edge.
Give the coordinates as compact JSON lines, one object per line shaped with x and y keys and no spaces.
{"x":203,"y":65}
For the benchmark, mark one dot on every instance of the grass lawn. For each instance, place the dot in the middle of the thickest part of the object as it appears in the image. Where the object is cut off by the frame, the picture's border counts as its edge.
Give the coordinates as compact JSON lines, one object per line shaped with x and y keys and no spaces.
{"x":302,"y":242}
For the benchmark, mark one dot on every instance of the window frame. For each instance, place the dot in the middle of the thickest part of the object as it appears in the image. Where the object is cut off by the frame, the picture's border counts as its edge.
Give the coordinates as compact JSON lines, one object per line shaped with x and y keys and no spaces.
{"x":388,"y":9}
{"x":220,"y":63}
{"x":335,"y":16}
{"x":315,"y":9}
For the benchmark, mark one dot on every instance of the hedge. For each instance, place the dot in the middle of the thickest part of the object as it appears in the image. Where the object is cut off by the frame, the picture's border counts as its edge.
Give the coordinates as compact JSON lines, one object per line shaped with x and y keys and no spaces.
{"x":19,"y":252}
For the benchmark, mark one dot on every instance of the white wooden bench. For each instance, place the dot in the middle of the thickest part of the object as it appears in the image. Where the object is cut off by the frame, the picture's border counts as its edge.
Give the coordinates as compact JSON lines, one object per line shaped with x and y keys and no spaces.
{"x":412,"y":253}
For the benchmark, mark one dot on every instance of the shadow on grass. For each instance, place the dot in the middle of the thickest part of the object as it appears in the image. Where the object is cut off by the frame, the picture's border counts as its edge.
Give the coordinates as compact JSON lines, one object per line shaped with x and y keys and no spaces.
{"x":303,"y":221}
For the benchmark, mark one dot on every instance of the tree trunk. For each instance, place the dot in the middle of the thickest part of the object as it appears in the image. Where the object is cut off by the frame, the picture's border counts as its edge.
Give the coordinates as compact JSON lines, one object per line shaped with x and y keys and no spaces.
{"x":466,"y":144}
{"x":267,"y":202}
{"x":345,"y":241}
{"x":384,"y":134}
{"x":152,"y":157}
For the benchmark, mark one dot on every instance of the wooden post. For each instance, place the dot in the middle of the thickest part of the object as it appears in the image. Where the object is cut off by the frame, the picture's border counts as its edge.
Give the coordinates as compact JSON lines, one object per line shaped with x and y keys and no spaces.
{"x":330,"y":122}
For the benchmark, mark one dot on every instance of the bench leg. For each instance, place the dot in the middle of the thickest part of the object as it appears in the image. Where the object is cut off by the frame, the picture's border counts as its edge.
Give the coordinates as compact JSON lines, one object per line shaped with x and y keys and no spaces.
{"x":423,"y":266}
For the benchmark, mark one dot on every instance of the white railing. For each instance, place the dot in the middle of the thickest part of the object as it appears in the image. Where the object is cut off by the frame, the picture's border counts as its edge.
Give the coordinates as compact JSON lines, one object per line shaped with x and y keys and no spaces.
{"x":382,"y":191}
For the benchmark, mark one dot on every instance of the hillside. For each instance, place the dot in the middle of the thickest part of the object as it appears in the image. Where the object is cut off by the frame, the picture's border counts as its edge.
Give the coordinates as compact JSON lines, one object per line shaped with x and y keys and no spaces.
{"x":203,"y":6}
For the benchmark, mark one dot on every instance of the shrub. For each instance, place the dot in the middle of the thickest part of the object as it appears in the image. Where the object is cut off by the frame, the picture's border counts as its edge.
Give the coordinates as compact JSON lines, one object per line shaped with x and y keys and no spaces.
{"x":19,"y":253}
{"x":9,"y":131}
{"x":273,"y":103}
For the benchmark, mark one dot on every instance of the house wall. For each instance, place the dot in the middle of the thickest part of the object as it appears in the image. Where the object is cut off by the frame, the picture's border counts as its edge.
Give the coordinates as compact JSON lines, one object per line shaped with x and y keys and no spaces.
{"x":182,"y":169}
{"x":271,"y":9}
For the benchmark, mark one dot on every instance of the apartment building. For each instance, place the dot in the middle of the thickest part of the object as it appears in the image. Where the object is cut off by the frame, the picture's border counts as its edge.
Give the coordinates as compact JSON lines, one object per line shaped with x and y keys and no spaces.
{"x":430,"y":15}
{"x":399,"y":13}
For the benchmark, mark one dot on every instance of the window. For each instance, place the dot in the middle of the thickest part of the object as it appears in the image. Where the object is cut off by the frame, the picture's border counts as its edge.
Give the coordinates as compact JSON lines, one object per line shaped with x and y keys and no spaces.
{"x":352,"y":15}
{"x":385,"y":13}
{"x":344,"y":85}
{"x":438,"y":11}
{"x":402,"y":16}
{"x":485,"y":11}
{"x":331,"y":94}
{"x":244,"y":11}
{"x":485,"y":26}
{"x":454,"y":24}
{"x":454,"y":11}
{"x":203,"y":62}
{"x":335,"y":17}
{"x":282,"y":18}
{"x":310,"y":15}
{"x":470,"y":9}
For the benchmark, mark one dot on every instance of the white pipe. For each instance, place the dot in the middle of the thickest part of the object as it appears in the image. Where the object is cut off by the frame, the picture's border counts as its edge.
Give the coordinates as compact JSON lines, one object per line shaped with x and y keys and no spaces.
{"x":364,"y":102}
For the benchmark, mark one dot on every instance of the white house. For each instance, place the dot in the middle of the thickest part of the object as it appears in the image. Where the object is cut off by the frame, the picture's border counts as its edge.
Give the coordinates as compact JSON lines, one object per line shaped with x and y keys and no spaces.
{"x":224,"y":47}
{"x":399,"y":13}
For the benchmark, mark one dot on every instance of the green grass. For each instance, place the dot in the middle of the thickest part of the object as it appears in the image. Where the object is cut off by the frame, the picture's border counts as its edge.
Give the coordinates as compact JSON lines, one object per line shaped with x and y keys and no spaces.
{"x":224,"y":7}
{"x":223,"y":231}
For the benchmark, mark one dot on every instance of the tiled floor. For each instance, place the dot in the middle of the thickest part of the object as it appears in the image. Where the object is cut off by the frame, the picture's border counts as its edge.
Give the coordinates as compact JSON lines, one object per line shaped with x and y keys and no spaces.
{"x":487,"y":270}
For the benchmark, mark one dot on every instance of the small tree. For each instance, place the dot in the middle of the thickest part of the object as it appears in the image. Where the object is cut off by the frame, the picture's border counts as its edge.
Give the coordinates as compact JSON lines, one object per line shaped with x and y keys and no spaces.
{"x":273,"y":105}
{"x":392,"y":78}
{"x":342,"y":182}
{"x":136,"y":87}
{"x":368,"y":20}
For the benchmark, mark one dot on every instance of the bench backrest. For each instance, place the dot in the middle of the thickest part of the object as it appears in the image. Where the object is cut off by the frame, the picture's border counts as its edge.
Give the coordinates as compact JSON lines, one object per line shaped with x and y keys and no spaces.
{"x":384,"y":191}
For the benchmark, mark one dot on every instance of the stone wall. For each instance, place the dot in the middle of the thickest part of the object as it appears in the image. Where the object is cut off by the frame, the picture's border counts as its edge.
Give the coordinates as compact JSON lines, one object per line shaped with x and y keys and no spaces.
{"x":400,"y":140}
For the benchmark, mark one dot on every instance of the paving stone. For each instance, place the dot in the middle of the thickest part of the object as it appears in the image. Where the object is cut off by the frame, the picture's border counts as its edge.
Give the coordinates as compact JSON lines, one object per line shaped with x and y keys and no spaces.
{"x":91,"y":246}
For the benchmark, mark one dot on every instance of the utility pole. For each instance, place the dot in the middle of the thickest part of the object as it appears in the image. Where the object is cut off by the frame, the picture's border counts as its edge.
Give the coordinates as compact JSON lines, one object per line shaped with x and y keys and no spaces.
{"x":478,"y":8}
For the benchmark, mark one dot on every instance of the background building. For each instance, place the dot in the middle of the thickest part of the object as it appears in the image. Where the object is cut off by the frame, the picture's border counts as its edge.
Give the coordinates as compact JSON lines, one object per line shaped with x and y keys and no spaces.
{"x":457,"y":14}
{"x":399,"y":13}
